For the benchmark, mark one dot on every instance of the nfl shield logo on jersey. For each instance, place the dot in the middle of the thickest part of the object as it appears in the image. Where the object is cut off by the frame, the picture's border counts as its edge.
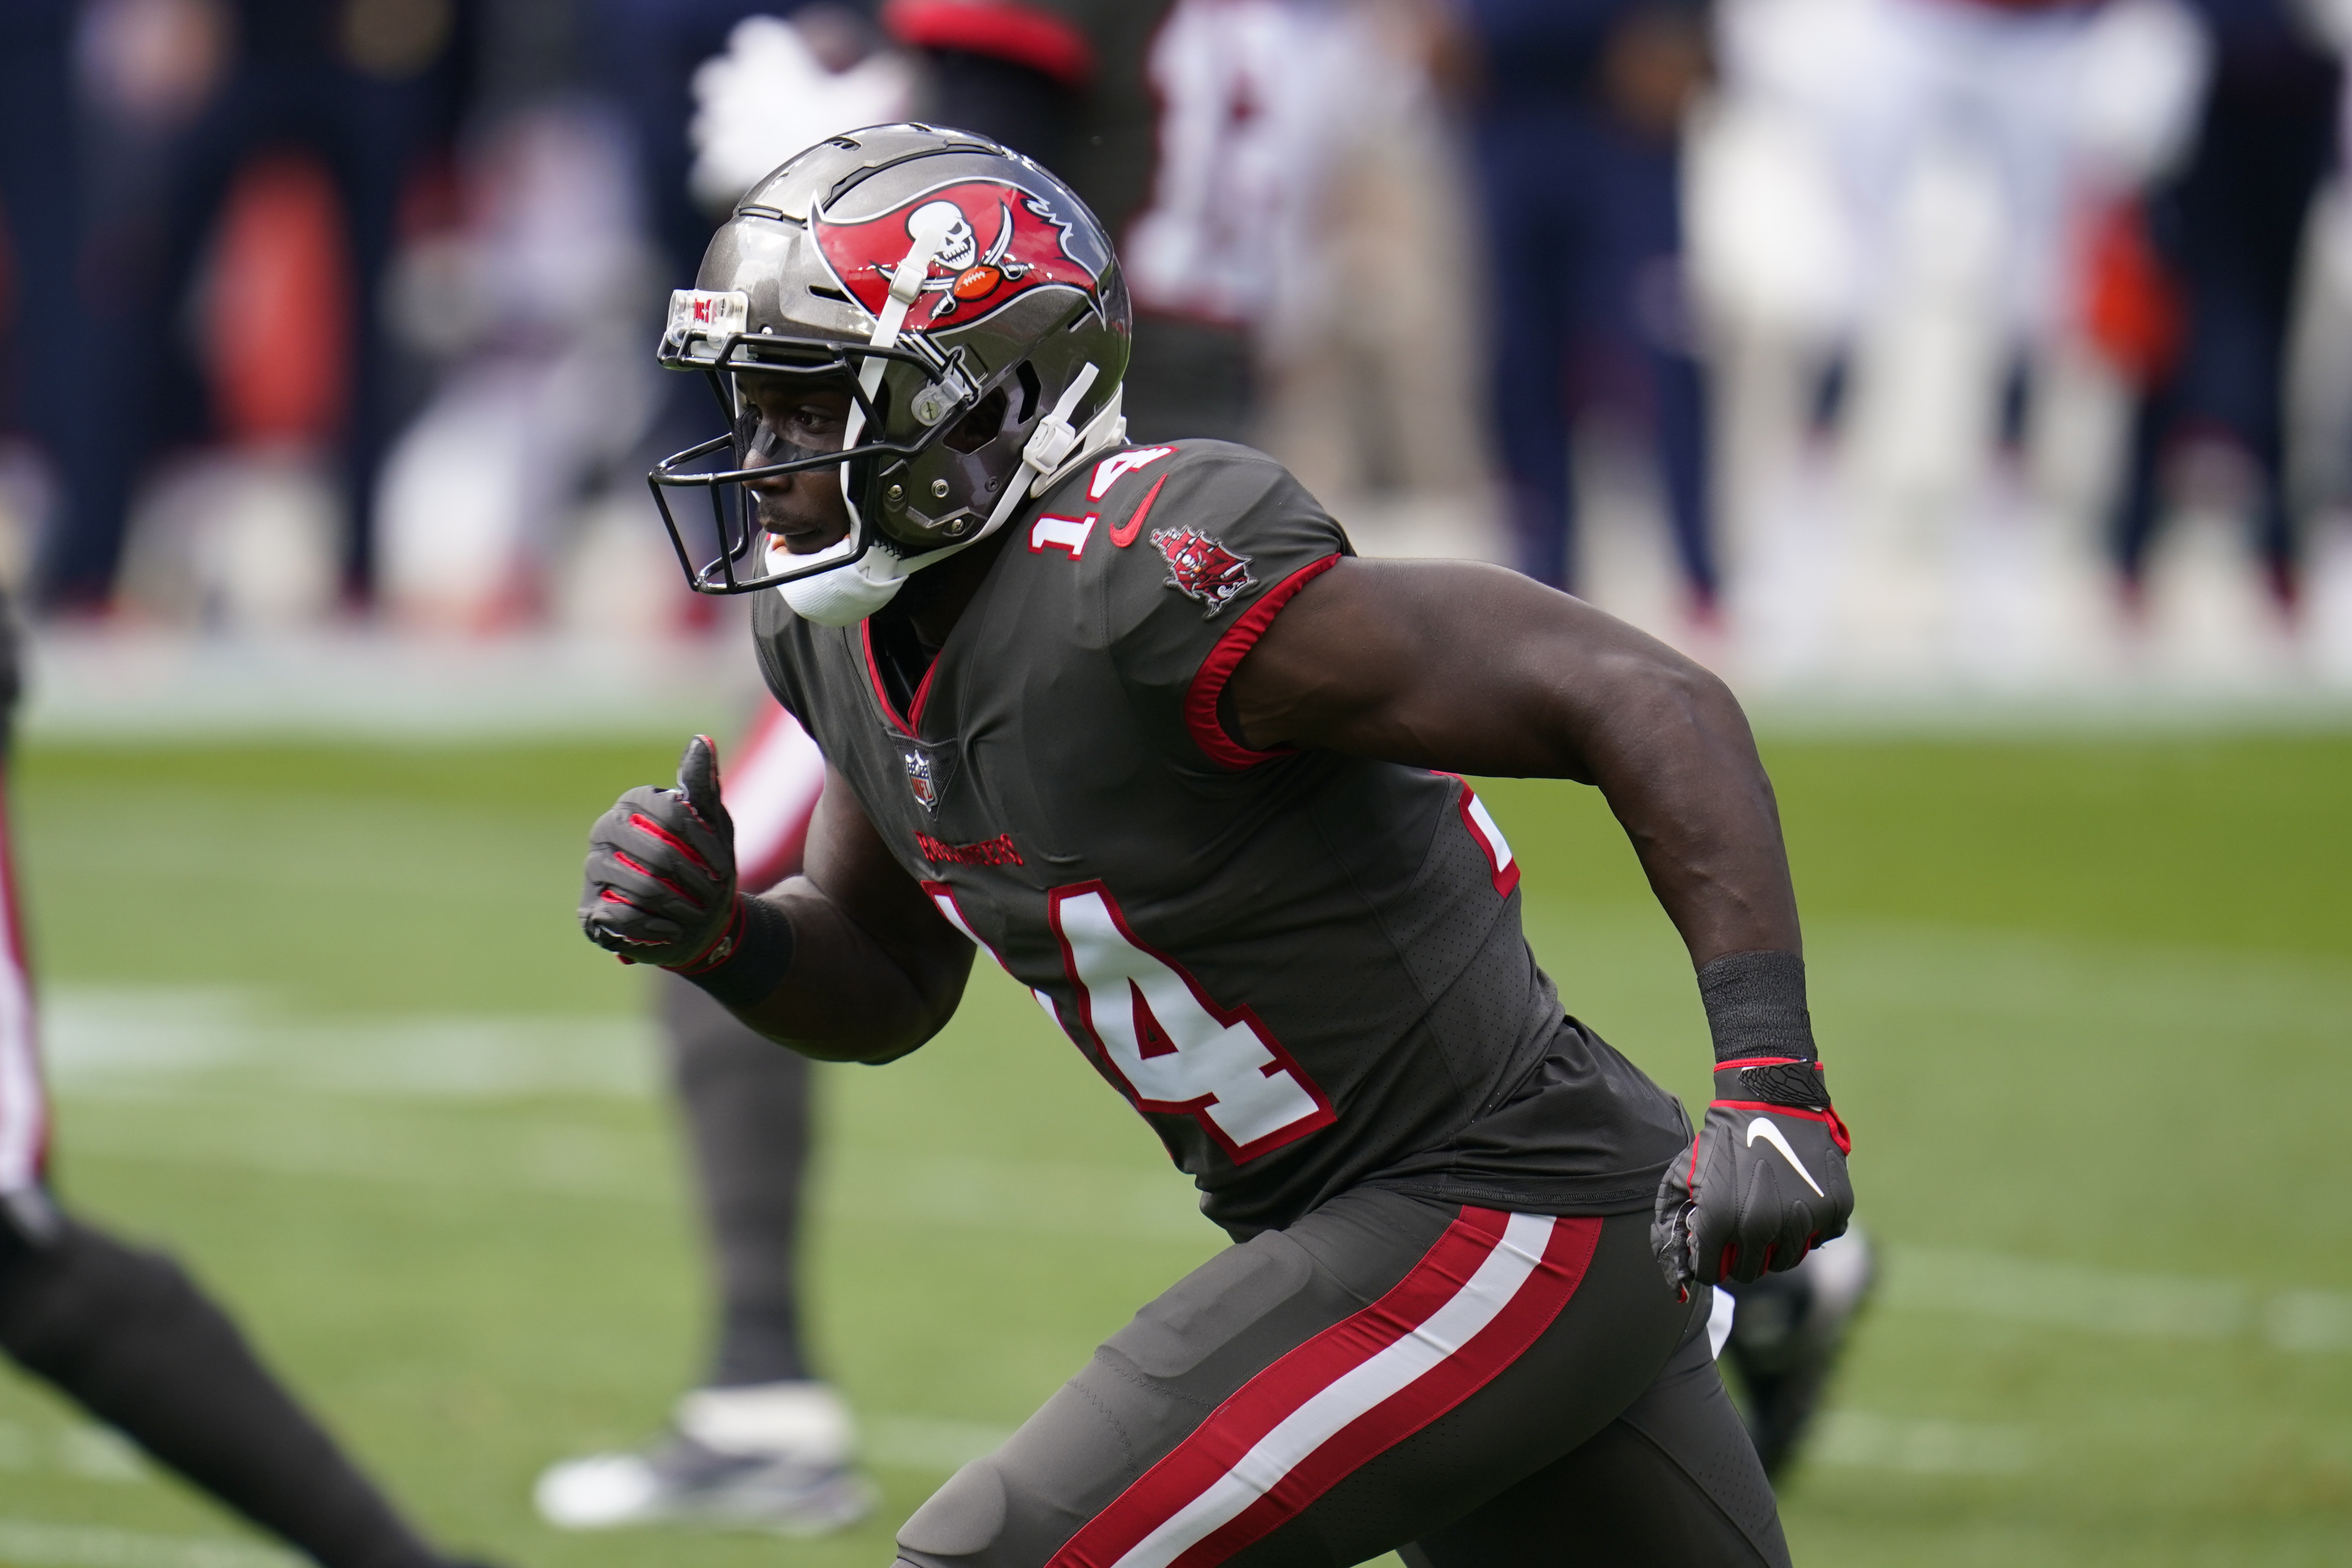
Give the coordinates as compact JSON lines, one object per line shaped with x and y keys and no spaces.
{"x":1200,"y":568}
{"x":918,"y":778}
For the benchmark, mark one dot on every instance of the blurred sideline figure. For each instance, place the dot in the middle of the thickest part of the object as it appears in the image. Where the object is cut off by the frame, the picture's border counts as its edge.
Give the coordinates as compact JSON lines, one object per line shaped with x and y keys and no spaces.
{"x":1311,"y":119}
{"x":1916,"y":236}
{"x":528,"y":308}
{"x":190,"y":102}
{"x":1576,"y":129}
{"x":37,"y":391}
{"x":127,"y":1334}
{"x":1110,"y":94}
{"x":762,"y":1442}
{"x":2229,"y":227}
{"x":1368,"y":352}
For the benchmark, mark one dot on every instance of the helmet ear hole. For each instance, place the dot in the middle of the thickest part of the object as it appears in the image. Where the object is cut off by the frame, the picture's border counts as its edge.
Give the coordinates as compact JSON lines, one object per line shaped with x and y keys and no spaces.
{"x":981,"y":426}
{"x":1031,"y":391}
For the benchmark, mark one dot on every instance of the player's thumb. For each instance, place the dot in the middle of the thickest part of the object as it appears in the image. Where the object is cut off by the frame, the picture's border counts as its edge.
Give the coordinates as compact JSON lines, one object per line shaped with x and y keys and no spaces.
{"x":698,"y":779}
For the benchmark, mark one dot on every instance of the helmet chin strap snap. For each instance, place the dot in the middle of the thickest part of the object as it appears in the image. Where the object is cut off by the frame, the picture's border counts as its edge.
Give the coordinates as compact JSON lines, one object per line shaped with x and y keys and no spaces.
{"x":848,"y":593}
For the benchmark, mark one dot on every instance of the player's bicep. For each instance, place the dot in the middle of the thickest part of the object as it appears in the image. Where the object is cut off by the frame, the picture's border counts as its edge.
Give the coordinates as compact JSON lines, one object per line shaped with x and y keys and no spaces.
{"x":848,"y":864}
{"x":1440,"y":664}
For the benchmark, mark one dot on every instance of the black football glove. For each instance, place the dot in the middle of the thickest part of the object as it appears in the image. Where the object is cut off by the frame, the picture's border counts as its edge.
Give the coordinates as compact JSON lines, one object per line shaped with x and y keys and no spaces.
{"x":661,"y":872}
{"x":1765,"y":1181}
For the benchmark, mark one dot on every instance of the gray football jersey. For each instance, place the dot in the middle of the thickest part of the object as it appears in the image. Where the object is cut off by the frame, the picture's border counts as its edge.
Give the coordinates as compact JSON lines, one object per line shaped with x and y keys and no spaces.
{"x":1306,"y":970}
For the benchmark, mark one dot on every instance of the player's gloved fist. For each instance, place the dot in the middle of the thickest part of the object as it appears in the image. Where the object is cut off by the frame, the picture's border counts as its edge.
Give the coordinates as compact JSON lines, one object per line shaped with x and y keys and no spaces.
{"x":1765,"y":1181}
{"x":1764,"y":1184}
{"x":661,"y":871}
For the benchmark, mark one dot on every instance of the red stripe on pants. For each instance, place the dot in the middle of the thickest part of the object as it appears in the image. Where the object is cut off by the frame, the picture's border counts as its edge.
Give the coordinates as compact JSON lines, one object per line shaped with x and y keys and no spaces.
{"x":1236,"y":1427}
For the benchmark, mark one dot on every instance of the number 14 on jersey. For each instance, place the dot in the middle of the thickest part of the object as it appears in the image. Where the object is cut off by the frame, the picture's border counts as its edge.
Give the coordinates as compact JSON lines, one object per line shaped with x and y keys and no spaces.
{"x":1176,"y":1050}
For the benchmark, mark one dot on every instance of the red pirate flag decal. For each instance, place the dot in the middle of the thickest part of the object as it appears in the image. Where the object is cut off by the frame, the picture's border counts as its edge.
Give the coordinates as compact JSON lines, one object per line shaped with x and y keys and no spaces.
{"x":1001,"y":240}
{"x":1200,"y":568}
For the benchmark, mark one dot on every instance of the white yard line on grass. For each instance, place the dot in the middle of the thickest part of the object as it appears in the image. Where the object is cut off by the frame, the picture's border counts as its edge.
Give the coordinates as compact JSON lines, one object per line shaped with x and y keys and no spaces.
{"x":36,"y":1544}
{"x":2111,"y":1302}
{"x":142,"y":1041}
{"x":1862,"y":1440}
{"x":87,"y":1452}
{"x":141,"y":689}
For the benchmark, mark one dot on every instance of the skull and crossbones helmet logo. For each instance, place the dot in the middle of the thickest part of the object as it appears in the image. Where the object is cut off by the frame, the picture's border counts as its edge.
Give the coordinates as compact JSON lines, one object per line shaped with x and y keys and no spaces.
{"x":971,"y":275}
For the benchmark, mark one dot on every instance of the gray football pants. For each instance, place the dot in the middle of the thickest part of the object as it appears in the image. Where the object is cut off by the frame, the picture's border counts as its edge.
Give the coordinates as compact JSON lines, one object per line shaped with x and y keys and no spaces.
{"x":1476,"y":1388}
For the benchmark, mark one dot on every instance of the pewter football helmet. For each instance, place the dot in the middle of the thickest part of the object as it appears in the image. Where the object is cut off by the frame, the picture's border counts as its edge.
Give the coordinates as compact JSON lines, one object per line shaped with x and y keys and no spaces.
{"x":927,"y":271}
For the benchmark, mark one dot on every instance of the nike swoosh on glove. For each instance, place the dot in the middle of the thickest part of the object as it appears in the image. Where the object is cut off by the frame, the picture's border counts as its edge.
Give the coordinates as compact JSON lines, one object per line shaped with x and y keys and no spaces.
{"x":1764,"y":1183}
{"x":660,"y":879}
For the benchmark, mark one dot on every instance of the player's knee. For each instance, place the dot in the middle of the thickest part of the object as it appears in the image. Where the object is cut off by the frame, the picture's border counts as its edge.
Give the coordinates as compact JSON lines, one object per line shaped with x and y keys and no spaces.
{"x":961,"y":1520}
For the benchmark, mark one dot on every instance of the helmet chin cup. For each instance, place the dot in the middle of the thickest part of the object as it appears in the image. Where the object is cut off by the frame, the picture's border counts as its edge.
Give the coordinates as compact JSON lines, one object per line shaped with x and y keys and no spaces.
{"x":842,"y":597}
{"x":863,"y":579}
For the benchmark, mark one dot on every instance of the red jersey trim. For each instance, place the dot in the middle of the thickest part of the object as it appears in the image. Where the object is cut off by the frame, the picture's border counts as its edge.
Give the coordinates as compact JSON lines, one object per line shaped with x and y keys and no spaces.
{"x":1488,"y":837}
{"x":25,"y":1124}
{"x":1209,"y":681}
{"x":952,"y":913}
{"x":1004,"y":30}
{"x":907,"y":722}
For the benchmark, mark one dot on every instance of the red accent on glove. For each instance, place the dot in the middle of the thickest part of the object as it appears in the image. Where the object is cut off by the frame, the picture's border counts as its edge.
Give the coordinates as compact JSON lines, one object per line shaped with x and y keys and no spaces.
{"x":639,"y":820}
{"x":1838,"y":1134}
{"x":722,"y":946}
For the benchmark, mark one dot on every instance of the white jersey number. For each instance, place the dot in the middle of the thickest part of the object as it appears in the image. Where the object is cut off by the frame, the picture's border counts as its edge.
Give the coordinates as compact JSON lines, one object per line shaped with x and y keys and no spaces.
{"x":1176,"y":1050}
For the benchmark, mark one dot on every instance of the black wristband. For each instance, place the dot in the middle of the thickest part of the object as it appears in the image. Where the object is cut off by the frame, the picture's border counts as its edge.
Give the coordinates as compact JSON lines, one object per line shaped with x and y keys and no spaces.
{"x":752,"y":959}
{"x":1756,"y":1006}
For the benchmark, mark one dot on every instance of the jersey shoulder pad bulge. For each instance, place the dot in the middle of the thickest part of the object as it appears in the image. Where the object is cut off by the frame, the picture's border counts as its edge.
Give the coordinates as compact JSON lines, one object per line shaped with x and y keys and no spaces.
{"x":1203,"y":542}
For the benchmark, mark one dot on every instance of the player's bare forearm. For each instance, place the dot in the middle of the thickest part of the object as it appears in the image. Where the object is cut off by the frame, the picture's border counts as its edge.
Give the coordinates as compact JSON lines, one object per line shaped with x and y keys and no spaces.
{"x":1479,"y":670}
{"x":874,"y":971}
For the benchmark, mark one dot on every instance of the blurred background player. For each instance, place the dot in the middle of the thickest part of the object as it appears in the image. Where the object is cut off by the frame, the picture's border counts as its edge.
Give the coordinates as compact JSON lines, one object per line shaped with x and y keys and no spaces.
{"x":763,"y":1443}
{"x":127,"y":1334}
{"x":321,"y":119}
{"x":1577,"y":114}
{"x":2228,"y":229}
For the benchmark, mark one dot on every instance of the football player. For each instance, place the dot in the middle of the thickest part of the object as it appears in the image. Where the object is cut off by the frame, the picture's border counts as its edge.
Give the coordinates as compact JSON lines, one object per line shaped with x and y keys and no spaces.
{"x":127,"y":1334}
{"x":1136,"y":720}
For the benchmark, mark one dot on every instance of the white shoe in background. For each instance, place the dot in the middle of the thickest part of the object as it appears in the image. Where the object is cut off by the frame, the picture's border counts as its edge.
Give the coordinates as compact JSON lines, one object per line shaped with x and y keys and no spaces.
{"x":776,"y":1456}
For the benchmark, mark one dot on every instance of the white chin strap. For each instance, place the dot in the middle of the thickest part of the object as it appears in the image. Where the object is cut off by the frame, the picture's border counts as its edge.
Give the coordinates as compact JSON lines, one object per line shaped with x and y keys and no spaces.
{"x":846,"y":593}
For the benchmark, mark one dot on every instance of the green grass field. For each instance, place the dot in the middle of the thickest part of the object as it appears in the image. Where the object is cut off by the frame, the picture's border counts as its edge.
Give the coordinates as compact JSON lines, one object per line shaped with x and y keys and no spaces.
{"x":320,"y":1020}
